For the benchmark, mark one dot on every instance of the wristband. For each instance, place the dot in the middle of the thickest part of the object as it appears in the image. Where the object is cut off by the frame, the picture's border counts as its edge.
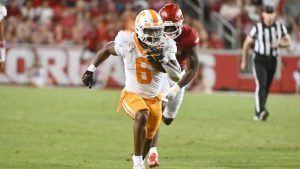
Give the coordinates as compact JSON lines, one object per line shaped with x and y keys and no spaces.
{"x":91,"y":68}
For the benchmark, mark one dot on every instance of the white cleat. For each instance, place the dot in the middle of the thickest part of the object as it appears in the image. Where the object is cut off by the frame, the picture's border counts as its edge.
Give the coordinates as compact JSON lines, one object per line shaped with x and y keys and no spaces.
{"x":138,"y":167}
{"x":262,"y":116}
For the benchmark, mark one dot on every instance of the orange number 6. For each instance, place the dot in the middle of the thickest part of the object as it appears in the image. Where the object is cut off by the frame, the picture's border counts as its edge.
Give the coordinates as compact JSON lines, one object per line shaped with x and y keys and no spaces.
{"x":143,"y":75}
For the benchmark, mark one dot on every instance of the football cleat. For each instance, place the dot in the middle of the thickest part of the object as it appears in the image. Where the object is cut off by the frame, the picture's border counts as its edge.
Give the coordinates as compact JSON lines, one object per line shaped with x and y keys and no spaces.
{"x":138,"y":166}
{"x":153,"y":160}
{"x":262,"y":116}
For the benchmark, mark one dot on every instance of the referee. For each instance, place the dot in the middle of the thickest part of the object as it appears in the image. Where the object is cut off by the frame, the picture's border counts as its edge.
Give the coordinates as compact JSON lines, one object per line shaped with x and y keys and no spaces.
{"x":267,"y":36}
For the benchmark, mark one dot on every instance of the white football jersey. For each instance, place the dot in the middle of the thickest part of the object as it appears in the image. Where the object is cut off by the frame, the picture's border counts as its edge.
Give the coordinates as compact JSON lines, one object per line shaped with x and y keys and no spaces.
{"x":140,"y":76}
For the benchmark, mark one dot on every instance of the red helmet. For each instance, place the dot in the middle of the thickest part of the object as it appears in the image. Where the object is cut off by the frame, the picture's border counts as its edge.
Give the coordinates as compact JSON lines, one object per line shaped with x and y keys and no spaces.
{"x":173,"y":19}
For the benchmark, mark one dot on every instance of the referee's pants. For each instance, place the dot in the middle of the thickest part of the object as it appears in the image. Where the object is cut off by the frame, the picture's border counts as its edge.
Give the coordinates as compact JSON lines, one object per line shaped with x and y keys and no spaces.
{"x":264,"y":68}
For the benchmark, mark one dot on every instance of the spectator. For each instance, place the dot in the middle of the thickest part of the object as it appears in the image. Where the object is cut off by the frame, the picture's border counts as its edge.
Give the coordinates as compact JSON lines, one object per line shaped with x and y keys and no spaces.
{"x":24,"y":30}
{"x":13,"y":9}
{"x":68,"y":18}
{"x":199,"y":27}
{"x":216,"y":41}
{"x":45,"y":13}
{"x":157,"y":4}
{"x":296,"y":76}
{"x":43,"y":35}
{"x":140,"y":5}
{"x":37,"y":74}
{"x":28,"y":11}
{"x":11,"y":32}
{"x":59,"y":36}
{"x":230,"y":9}
{"x":128,"y":17}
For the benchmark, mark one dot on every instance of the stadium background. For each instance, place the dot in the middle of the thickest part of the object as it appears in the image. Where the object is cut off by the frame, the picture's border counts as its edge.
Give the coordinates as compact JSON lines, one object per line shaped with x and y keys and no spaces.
{"x":63,"y":125}
{"x":56,"y":39}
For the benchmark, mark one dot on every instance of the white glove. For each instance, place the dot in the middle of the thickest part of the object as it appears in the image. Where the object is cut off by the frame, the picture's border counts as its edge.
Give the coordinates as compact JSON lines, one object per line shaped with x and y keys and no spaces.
{"x":173,"y":91}
{"x":3,"y":12}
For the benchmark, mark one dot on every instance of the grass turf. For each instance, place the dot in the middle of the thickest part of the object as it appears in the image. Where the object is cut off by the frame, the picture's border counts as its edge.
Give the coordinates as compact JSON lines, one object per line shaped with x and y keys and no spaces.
{"x":79,"y":128}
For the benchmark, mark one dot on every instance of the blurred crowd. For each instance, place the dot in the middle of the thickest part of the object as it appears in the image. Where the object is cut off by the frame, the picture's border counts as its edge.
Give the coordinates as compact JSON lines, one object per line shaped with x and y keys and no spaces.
{"x":94,"y":22}
{"x":73,"y":22}
{"x":78,"y":22}
{"x":243,"y":14}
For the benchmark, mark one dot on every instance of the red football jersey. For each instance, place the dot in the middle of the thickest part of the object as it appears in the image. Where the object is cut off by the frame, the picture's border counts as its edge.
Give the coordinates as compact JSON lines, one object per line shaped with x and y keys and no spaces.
{"x":185,"y":41}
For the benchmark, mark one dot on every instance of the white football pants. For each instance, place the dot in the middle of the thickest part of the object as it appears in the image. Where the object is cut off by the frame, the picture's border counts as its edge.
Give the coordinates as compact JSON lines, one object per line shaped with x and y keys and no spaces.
{"x":173,"y":106}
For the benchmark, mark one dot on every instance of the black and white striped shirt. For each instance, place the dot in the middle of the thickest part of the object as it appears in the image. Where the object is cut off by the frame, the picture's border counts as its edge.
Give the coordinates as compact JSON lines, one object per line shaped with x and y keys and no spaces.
{"x":265,"y":36}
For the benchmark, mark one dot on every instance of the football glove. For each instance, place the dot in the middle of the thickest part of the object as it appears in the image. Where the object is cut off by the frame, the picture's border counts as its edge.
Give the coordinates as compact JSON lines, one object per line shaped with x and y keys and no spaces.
{"x":87,"y":78}
{"x":156,"y":55}
{"x":173,"y":91}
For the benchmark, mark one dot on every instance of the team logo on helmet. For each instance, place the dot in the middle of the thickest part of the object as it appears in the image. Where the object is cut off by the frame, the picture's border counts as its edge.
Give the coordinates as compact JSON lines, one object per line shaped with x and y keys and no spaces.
{"x":149,"y":27}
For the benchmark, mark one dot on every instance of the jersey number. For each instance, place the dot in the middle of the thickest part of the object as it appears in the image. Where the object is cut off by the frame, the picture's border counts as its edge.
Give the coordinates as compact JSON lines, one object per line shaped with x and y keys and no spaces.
{"x":143,"y":75}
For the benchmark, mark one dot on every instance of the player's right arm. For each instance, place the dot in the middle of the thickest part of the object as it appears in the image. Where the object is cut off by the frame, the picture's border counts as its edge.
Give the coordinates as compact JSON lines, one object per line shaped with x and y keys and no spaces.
{"x":101,"y":56}
{"x":192,"y":68}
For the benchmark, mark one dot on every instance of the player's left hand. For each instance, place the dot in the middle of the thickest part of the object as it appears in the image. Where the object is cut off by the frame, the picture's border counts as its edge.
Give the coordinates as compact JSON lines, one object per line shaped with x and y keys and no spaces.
{"x":155,"y":55}
{"x":173,"y":91}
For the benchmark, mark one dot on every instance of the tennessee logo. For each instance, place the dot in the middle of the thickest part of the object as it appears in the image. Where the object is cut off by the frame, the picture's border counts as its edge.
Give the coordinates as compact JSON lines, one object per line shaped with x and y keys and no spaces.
{"x":131,"y":45}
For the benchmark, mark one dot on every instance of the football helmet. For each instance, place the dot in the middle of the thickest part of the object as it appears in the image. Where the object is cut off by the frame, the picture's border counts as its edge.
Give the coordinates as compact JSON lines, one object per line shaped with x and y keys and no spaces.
{"x":149,"y":27}
{"x":173,"y":19}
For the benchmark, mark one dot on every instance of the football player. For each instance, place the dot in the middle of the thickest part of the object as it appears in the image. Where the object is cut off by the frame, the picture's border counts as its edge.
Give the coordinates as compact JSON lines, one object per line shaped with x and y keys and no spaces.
{"x":186,"y":39}
{"x":3,"y":13}
{"x":142,"y":51}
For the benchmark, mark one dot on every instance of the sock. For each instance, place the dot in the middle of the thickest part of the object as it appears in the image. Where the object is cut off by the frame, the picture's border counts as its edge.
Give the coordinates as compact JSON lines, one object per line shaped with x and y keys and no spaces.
{"x":137,"y":160}
{"x":153,"y":150}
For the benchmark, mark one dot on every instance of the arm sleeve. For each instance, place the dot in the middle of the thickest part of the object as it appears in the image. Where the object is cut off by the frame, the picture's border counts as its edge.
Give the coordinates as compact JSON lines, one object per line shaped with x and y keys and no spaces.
{"x":170,"y":50}
{"x":119,"y":44}
{"x":253,"y":31}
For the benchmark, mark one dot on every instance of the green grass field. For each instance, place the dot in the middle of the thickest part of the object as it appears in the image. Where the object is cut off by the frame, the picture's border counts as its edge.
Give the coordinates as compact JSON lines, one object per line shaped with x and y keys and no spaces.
{"x":79,"y":129}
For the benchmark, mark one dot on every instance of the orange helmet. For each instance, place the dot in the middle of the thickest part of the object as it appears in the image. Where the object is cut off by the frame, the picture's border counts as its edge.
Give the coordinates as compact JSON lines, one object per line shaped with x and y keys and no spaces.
{"x":149,"y":27}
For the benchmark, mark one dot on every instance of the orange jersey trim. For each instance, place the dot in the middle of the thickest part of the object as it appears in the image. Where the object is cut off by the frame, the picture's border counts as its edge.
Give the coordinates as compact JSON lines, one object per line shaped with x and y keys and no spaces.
{"x":139,"y":46}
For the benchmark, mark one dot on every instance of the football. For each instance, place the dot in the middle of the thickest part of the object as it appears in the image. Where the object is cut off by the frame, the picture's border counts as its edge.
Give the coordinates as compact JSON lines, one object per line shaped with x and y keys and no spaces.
{"x":158,"y":67}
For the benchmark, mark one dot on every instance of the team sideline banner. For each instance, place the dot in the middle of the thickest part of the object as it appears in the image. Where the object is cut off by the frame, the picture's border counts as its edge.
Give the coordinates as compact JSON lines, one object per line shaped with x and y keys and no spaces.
{"x":64,"y":67}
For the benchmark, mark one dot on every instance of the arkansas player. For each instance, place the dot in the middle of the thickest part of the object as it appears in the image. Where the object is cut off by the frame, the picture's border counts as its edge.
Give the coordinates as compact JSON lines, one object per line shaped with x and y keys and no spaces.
{"x":186,"y":39}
